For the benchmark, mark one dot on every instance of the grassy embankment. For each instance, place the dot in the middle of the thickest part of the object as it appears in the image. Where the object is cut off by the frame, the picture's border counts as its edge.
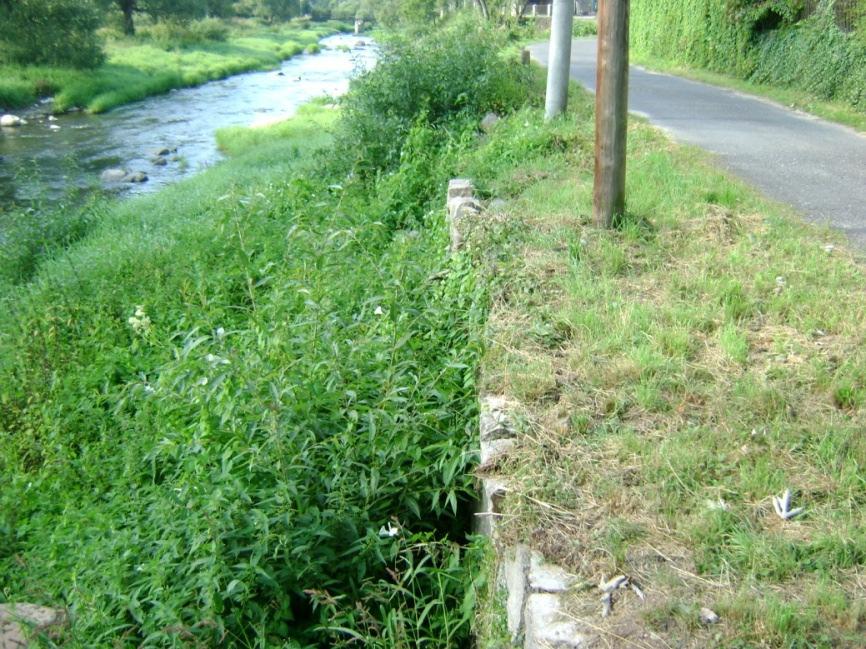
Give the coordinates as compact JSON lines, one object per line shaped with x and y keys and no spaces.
{"x":157,"y":61}
{"x":239,"y":412}
{"x":669,"y":377}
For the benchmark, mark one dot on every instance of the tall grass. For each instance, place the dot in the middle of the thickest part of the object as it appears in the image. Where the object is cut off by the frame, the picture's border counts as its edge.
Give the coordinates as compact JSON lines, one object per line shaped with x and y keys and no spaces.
{"x":240,"y":411}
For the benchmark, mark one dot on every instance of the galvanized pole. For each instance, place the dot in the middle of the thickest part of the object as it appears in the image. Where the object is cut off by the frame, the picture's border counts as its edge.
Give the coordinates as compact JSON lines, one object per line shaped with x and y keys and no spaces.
{"x":559,"y":59}
{"x":611,"y":111}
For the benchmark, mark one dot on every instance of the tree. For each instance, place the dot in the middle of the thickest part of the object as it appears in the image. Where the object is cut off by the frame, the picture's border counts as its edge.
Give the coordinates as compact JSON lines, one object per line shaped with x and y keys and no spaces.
{"x":53,"y":32}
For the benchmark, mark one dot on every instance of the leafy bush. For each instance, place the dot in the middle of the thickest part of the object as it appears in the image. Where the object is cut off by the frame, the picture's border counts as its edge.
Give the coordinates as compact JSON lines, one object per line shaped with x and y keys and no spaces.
{"x":59,"y":32}
{"x":583,"y":28}
{"x":209,"y":29}
{"x":447,"y":75}
{"x":172,"y":33}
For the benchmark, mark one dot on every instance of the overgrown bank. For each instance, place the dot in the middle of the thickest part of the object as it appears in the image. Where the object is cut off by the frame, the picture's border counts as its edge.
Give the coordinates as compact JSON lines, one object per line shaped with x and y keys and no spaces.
{"x":239,"y":412}
{"x":775,"y":45}
{"x":161,"y":57}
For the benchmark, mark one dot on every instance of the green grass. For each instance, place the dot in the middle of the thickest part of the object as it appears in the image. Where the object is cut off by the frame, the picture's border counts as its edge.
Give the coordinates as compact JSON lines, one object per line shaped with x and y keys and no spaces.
{"x":143,"y":66}
{"x":673,"y":374}
{"x":834,"y":111}
{"x":198,"y":355}
{"x":312,"y":126}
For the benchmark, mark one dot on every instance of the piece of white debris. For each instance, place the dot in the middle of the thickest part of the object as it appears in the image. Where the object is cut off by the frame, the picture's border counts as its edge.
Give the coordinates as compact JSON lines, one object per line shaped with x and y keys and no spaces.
{"x":783,"y":506}
{"x":389,"y":531}
{"x":606,"y":605}
{"x":613,"y":584}
{"x":379,"y":311}
{"x":829,"y":248}
{"x":708,"y":616}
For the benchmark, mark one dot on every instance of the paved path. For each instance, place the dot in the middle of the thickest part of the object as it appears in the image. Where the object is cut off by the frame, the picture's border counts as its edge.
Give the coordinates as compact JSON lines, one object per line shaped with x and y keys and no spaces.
{"x":816,"y":166}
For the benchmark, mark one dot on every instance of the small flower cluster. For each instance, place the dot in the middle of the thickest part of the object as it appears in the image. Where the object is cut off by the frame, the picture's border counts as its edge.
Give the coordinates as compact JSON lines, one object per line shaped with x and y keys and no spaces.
{"x":140,"y":322}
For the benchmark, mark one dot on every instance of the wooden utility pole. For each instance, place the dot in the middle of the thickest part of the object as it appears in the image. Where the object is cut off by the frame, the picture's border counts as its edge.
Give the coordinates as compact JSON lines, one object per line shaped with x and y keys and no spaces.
{"x":559,"y":58}
{"x":611,"y":111}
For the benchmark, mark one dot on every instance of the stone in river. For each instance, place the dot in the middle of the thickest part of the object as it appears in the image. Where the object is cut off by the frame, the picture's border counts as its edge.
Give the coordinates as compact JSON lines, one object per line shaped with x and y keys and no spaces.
{"x":113,"y":175}
{"x":11,"y":120}
{"x":135,"y":177}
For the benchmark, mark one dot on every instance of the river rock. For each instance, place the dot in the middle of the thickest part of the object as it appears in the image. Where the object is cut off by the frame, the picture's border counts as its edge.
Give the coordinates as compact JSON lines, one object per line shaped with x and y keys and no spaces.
{"x":159,"y":161}
{"x":135,"y":177}
{"x":490,"y":120}
{"x":11,"y":120}
{"x":113,"y":175}
{"x":156,"y":153}
{"x":19,"y":622}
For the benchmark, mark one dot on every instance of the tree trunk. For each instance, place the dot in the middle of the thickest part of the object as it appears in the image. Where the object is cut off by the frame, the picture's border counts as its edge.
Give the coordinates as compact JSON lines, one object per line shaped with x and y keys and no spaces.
{"x":482,"y":7}
{"x":128,"y":7}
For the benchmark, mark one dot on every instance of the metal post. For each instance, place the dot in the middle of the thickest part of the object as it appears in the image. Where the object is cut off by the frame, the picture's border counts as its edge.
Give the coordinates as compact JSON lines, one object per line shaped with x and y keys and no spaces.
{"x":559,"y":59}
{"x":611,"y":111}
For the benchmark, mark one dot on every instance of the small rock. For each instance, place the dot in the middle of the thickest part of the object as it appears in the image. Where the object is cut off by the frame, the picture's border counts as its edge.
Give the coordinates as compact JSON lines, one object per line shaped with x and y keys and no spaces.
{"x":135,"y":177}
{"x":547,"y":626}
{"x":11,"y":120}
{"x":497,"y":205}
{"x":113,"y":175}
{"x":708,"y":616}
{"x":54,"y":127}
{"x":490,"y":120}
{"x":52,"y":118}
{"x":156,"y":153}
{"x":20,"y":622}
{"x":159,"y":161}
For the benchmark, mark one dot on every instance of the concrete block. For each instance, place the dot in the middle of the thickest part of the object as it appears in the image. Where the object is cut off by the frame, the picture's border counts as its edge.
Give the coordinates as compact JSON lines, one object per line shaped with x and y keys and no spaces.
{"x":460,"y":187}
{"x":547,"y":578}
{"x":494,"y":422}
{"x":493,"y":448}
{"x":492,"y":493}
{"x":516,"y":566}
{"x":547,"y":628}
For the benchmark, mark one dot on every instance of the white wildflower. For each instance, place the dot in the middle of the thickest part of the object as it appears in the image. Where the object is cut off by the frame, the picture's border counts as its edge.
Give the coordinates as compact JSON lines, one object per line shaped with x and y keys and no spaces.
{"x":139,"y":321}
{"x":379,"y":311}
{"x":390,"y":531}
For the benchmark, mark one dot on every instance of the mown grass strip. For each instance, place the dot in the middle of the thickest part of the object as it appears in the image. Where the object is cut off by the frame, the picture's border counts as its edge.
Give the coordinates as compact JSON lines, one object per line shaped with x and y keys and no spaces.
{"x":672,"y":375}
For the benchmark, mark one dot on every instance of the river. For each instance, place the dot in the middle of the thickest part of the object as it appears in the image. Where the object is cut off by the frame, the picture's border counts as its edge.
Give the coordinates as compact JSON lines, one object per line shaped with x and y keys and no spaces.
{"x":51,"y":158}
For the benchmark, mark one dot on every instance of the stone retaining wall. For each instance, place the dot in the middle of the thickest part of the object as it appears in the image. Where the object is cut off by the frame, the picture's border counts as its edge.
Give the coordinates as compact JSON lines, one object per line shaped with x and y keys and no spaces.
{"x":533,"y":590}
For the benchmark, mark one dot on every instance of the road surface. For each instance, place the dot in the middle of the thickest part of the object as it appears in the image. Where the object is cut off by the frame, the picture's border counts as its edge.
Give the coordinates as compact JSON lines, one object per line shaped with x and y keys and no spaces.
{"x":816,"y":166}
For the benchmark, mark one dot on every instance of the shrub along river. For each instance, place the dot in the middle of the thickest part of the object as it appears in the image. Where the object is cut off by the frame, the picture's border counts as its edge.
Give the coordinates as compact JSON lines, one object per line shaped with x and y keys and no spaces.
{"x":51,"y":158}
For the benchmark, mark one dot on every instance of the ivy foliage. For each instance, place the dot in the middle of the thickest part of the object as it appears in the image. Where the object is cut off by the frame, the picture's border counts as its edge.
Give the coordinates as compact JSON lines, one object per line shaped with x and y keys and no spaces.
{"x":768,"y":41}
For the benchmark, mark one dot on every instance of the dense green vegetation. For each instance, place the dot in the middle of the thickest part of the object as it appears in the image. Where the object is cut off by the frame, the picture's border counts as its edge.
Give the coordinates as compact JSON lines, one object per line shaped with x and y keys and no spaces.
{"x":239,"y":412}
{"x":162,"y":56}
{"x":777,"y":43}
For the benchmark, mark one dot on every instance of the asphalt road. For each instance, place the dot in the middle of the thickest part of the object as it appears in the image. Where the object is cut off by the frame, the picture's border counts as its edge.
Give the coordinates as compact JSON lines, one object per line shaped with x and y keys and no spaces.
{"x":817,"y":167}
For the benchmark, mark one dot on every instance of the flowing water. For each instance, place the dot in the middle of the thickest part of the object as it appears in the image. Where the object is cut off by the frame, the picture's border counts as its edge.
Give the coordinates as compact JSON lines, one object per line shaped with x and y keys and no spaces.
{"x":51,"y":158}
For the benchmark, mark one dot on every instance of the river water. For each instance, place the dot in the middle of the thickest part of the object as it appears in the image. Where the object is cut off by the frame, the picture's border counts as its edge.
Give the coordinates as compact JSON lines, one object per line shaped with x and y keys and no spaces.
{"x":49,"y":159}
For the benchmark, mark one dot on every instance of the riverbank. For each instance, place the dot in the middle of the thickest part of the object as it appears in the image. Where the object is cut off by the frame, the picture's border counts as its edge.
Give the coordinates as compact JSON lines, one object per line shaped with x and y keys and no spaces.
{"x":237,"y":412}
{"x":146,"y":65}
